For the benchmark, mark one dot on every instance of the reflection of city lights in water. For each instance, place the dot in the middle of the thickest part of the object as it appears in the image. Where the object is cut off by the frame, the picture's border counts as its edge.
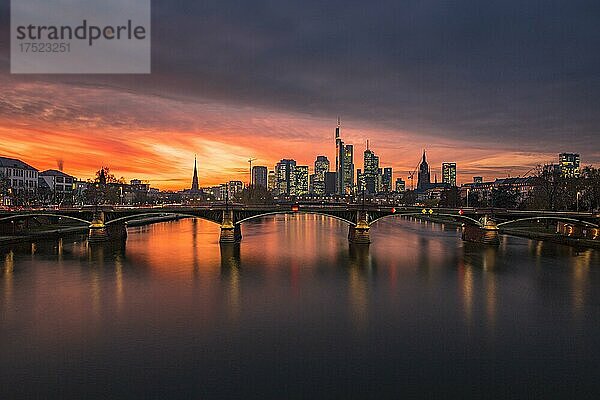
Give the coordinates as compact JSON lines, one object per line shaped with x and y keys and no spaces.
{"x":358,"y":300}
{"x":538,"y":248}
{"x":119,"y":282}
{"x":466,"y":284}
{"x":581,"y":269}
{"x":230,"y":270}
{"x":7,"y":276}
{"x":234,"y":294}
{"x":96,"y":292}
{"x":490,"y":300}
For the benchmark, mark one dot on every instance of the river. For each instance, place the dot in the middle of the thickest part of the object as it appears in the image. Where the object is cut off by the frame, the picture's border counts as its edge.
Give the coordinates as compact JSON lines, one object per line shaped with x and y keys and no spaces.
{"x":295,"y":312}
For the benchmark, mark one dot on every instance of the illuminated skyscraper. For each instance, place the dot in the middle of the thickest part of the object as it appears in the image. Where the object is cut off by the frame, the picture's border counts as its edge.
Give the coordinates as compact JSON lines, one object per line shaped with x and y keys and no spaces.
{"x":400,"y":185}
{"x":321,"y":168}
{"x":344,"y":164}
{"x":386,"y":180}
{"x":360,"y":181}
{"x":272,"y":181}
{"x":424,"y":177}
{"x":259,"y":176}
{"x":370,"y":170}
{"x":285,"y":172}
{"x":449,"y":173}
{"x":569,"y":164}
{"x":301,"y":187}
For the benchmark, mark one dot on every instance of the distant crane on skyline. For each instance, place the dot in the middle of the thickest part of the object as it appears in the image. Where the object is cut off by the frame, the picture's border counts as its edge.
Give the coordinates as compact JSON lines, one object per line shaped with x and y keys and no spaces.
{"x":411,"y":176}
{"x":250,"y":162}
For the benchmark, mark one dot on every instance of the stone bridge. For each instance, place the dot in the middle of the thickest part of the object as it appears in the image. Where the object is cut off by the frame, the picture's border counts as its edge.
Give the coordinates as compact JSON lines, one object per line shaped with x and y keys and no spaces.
{"x":480,"y":225}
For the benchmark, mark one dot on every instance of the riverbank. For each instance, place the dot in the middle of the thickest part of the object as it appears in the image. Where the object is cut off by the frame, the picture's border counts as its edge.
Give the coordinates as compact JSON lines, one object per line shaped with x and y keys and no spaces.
{"x":532,"y":232}
{"x":552,"y":237}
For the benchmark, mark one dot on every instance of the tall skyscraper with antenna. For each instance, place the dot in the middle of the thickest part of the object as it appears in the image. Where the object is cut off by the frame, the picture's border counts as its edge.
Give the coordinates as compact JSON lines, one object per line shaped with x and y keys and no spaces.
{"x":344,"y":164}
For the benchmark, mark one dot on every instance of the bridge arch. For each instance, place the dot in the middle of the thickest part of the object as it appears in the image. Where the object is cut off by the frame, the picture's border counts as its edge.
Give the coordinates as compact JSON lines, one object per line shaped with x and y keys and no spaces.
{"x":154,"y":214}
{"x":577,"y":221}
{"x":283,"y":212}
{"x":420,"y":214}
{"x":21,"y":216}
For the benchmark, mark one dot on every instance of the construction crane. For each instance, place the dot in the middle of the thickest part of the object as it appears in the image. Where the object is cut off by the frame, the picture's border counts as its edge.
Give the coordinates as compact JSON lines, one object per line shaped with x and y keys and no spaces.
{"x":411,"y":176}
{"x":250,"y":162}
{"x":526,"y":174}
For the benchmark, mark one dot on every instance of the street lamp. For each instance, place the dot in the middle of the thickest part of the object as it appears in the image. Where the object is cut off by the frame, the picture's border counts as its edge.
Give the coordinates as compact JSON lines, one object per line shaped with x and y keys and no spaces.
{"x":577,"y":200}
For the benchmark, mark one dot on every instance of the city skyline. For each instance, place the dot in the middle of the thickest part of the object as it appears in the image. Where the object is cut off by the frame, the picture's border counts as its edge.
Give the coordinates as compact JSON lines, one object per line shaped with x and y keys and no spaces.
{"x":473,"y":81}
{"x":243,"y":174}
{"x":287,"y":179}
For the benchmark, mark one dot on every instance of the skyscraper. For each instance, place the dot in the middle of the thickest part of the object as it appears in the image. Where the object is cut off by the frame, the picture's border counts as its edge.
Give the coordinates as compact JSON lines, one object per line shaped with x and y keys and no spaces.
{"x":330,"y":182}
{"x":321,"y":167}
{"x":386,"y":180}
{"x":424,"y":177}
{"x":569,"y":164}
{"x":370,"y":171}
{"x":344,"y":164}
{"x":285,"y":177}
{"x":301,"y":172}
{"x":449,"y":173}
{"x":400,"y":185}
{"x":360,"y":181}
{"x":195,"y":186}
{"x":272,"y":181}
{"x":259,"y":176}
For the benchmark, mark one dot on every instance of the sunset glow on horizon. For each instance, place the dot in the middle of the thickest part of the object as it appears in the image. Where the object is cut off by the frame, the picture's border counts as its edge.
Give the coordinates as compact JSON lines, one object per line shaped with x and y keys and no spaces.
{"x":149,"y":137}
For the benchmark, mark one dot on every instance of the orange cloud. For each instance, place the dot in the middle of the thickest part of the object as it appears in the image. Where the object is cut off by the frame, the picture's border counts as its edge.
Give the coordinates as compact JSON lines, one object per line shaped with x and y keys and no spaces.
{"x":155,"y":138}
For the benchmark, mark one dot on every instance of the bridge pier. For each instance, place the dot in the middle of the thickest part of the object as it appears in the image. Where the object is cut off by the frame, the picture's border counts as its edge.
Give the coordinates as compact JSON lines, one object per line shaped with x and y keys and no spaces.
{"x":101,"y":232}
{"x":486,"y":234}
{"x":97,"y":229}
{"x":230,"y":232}
{"x":359,"y":233}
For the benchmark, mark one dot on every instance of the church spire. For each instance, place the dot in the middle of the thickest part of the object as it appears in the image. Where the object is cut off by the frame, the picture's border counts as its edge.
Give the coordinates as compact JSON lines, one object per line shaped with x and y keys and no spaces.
{"x":195,"y":178}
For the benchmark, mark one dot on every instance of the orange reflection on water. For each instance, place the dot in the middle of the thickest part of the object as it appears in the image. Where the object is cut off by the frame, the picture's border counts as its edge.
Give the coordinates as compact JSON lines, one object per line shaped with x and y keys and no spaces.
{"x":465,"y":279}
{"x":176,"y":250}
{"x":8,"y":268}
{"x":580,"y":281}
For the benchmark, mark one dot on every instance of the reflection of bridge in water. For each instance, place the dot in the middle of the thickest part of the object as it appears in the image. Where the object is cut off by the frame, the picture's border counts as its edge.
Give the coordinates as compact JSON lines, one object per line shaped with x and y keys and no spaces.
{"x":480,"y":225}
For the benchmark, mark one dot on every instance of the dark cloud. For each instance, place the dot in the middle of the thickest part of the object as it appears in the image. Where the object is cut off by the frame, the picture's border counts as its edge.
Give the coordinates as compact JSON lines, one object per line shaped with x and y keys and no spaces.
{"x":511,"y":73}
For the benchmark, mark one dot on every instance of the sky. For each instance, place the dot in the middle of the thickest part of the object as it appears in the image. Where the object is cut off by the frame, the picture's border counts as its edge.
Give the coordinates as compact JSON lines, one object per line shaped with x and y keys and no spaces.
{"x":496,"y":86}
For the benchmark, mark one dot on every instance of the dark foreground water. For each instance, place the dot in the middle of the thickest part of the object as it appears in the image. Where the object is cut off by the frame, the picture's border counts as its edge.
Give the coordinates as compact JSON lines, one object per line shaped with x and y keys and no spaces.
{"x":294,"y":312}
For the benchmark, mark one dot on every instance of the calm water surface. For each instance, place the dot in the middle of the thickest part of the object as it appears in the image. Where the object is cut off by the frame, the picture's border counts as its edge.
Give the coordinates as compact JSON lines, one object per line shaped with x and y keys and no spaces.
{"x":295,"y":312}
